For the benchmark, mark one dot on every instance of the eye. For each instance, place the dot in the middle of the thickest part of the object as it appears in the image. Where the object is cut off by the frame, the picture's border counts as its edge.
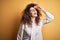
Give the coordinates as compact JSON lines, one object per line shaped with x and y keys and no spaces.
{"x":33,"y":10}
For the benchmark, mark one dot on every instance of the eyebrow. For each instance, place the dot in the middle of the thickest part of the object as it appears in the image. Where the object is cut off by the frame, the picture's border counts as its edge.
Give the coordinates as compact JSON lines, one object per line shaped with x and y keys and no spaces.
{"x":33,"y":9}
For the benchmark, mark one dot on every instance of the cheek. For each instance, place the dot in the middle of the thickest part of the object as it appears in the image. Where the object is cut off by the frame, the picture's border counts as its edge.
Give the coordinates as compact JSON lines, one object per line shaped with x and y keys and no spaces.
{"x":31,"y":12}
{"x":34,"y":12}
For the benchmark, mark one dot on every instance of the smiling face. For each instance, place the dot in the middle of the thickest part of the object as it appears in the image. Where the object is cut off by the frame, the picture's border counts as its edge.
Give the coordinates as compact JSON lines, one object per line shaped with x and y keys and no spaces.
{"x":33,"y":12}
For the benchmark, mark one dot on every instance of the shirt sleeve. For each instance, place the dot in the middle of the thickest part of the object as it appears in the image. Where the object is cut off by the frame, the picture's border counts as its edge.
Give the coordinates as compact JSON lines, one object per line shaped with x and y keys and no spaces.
{"x":20,"y":32}
{"x":49,"y":18}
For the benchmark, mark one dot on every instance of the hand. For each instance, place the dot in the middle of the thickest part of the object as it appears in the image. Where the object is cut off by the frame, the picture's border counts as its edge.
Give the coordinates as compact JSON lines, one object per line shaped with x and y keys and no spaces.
{"x":39,"y":8}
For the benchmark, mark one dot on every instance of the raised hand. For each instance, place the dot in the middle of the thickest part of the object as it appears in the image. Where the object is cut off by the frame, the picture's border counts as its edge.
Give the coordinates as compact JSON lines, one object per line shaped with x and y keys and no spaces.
{"x":40,"y":8}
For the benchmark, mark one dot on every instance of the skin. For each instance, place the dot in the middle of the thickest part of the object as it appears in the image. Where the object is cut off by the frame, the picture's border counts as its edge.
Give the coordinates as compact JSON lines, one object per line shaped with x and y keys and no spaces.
{"x":34,"y":12}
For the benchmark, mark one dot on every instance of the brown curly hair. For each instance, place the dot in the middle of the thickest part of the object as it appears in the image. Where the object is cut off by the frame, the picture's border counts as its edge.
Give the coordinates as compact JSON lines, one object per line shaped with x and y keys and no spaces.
{"x":26,"y":18}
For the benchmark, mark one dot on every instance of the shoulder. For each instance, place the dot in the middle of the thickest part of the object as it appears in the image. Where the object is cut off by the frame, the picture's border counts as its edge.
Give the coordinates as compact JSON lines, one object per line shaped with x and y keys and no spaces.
{"x":41,"y":21}
{"x":21,"y":26}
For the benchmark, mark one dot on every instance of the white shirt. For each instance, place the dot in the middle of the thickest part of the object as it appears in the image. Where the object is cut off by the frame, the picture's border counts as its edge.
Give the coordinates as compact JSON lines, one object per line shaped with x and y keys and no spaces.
{"x":36,"y":31}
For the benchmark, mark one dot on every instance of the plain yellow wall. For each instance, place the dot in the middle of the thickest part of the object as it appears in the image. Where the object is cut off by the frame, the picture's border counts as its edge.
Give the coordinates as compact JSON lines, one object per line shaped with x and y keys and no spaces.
{"x":11,"y":15}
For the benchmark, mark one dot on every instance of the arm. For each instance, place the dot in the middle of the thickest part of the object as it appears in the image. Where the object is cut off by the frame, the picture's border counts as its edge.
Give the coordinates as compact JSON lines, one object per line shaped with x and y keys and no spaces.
{"x":49,"y":16}
{"x":20,"y":32}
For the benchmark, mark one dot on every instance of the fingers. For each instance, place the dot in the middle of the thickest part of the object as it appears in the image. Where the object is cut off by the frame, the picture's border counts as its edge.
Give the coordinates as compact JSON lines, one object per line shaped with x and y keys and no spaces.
{"x":37,"y":7}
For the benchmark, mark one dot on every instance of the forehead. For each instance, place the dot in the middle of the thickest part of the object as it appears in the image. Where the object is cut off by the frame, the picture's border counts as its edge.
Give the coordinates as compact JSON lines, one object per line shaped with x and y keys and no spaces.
{"x":32,"y":8}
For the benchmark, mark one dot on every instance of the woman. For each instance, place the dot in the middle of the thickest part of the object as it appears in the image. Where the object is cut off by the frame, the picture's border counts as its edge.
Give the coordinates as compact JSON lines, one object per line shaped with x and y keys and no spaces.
{"x":31,"y":23}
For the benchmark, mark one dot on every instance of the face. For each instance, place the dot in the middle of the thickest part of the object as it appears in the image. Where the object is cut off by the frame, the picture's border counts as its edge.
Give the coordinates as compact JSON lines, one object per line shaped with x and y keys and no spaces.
{"x":33,"y":12}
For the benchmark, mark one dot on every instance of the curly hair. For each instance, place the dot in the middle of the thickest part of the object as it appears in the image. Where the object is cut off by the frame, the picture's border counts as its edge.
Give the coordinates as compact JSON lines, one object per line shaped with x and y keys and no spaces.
{"x":26,"y":18}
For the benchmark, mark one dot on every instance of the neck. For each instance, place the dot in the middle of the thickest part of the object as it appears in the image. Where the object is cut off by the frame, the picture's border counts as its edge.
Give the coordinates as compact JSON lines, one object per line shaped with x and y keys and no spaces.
{"x":33,"y":19}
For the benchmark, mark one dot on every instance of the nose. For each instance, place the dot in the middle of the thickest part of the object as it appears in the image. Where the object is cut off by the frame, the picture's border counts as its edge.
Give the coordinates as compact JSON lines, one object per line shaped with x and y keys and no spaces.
{"x":35,"y":11}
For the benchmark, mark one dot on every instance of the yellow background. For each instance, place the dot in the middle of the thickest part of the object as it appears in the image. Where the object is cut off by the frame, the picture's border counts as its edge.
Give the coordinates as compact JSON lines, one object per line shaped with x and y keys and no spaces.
{"x":11,"y":15}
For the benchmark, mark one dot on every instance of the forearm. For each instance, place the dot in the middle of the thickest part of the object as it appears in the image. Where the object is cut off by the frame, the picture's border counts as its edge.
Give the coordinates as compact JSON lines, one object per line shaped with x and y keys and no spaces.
{"x":49,"y":17}
{"x":48,"y":14}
